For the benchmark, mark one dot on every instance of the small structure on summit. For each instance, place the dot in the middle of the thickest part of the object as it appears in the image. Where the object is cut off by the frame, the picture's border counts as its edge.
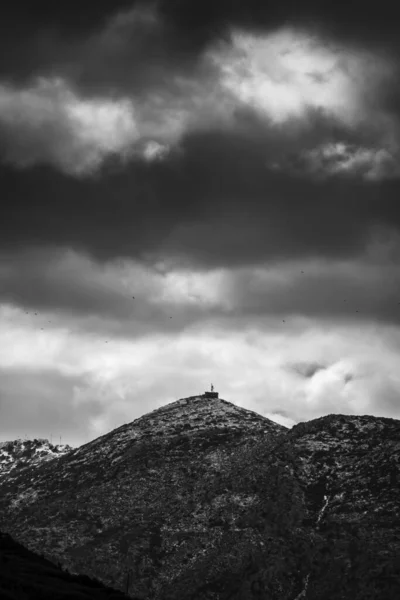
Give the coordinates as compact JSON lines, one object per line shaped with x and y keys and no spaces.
{"x":211,"y":394}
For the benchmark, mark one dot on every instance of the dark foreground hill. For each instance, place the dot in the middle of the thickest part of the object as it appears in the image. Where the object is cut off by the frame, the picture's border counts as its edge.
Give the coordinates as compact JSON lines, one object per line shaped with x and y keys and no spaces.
{"x":25,"y":575}
{"x":202,"y":499}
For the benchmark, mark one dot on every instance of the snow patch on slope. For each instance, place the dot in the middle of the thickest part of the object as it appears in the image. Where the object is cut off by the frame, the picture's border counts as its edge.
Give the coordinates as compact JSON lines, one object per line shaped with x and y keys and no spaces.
{"x":19,"y":454}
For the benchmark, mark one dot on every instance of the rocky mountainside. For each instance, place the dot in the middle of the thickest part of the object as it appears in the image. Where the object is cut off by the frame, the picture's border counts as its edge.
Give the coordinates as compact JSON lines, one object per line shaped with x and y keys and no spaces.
{"x":20,"y":454}
{"x":351,"y":473}
{"x":204,"y":499}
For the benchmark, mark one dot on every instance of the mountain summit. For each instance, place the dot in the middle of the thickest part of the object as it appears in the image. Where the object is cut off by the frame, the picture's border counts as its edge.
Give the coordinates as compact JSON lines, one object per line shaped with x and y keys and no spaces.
{"x":203,"y":499}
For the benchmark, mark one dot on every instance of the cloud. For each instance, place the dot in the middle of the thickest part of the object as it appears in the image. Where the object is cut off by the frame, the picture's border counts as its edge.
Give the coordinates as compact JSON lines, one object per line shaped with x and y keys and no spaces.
{"x":353,"y":290}
{"x":282,"y":74}
{"x":307,"y":370}
{"x":39,"y":403}
{"x":215,"y":205}
{"x":280,"y":418}
{"x":273,"y":80}
{"x":115,"y":298}
{"x":339,"y":158}
{"x":128,"y":297}
{"x":135,"y":50}
{"x":124,"y":90}
{"x":136,"y":44}
{"x":50,"y":123}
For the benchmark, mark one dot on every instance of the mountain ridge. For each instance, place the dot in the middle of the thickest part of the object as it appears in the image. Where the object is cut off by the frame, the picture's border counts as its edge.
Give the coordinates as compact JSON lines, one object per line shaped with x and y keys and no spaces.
{"x":20,"y":454}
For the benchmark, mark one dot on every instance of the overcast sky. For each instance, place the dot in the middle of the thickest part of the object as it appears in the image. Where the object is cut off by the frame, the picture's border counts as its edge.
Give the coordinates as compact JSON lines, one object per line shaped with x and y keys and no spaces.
{"x":197,"y":192}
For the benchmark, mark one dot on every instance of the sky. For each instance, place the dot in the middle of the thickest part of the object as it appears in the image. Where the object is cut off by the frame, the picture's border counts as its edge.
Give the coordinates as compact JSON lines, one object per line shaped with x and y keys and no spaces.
{"x":196,"y":193}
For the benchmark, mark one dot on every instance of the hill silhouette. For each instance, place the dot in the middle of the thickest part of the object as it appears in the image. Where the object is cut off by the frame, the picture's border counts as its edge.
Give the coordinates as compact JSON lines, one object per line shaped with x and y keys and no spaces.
{"x":24,"y":575}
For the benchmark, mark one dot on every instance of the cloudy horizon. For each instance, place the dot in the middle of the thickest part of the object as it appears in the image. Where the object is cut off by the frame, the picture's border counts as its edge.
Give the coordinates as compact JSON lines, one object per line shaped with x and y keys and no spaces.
{"x":193,"y":196}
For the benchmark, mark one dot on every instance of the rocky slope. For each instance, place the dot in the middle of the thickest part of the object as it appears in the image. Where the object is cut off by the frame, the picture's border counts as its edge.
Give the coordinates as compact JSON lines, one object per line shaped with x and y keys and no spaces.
{"x":203,"y":499}
{"x":351,"y":472}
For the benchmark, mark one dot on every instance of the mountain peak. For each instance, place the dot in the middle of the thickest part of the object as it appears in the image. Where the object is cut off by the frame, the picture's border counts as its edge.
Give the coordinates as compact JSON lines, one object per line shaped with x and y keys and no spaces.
{"x":192,"y":416}
{"x":196,"y":413}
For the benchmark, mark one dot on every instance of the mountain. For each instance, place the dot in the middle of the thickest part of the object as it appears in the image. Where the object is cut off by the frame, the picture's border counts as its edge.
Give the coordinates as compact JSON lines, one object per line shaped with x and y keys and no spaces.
{"x":26,"y":575}
{"x":20,"y":454}
{"x":204,"y":499}
{"x":351,"y":473}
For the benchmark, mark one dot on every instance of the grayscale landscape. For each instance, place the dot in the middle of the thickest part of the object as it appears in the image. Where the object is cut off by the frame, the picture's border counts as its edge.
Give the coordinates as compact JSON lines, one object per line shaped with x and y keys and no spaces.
{"x":199,"y":300}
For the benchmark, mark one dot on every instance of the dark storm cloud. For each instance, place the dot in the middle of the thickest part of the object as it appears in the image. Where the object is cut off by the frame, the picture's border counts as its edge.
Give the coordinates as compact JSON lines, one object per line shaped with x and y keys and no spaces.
{"x":126,"y":45}
{"x":134,"y":78}
{"x":35,"y":36}
{"x":208,"y":16}
{"x":136,"y":51}
{"x":356,"y":291}
{"x":42,"y":280}
{"x":215,"y":204}
{"x":54,"y":38}
{"x":50,"y":285}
